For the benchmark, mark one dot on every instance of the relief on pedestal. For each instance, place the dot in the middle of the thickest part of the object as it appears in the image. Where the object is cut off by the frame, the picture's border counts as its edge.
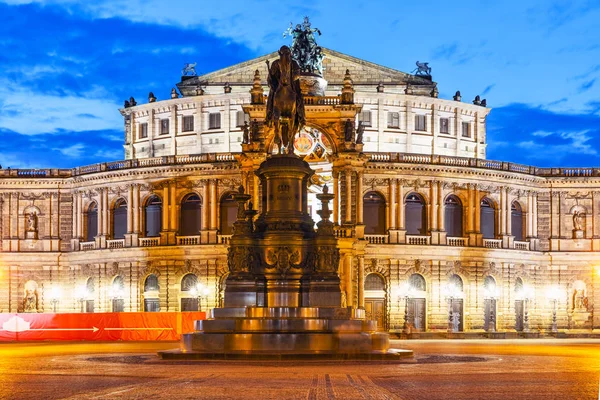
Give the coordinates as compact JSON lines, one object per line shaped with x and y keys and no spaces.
{"x":242,"y":259}
{"x":327,"y":259}
{"x":283,"y":259}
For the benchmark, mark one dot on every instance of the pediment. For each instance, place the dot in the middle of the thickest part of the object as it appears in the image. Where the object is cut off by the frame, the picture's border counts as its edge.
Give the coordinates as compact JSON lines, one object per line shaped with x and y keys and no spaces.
{"x":335,"y":65}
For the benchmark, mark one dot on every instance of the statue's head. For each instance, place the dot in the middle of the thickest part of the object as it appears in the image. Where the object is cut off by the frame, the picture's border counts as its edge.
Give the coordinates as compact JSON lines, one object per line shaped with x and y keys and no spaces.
{"x":284,"y":50}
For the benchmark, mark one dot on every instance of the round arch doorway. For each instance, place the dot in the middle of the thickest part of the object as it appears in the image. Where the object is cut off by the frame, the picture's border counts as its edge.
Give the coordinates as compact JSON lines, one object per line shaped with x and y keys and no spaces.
{"x":375,"y":300}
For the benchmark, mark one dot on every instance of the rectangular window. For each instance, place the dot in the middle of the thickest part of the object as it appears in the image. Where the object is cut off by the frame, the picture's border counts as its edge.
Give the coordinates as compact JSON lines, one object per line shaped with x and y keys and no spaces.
{"x":444,"y":125}
{"x":214,"y":121}
{"x":465,"y":129}
{"x":365,"y":118}
{"x":143,"y":130}
{"x":164,"y":126}
{"x":118,"y":305}
{"x":393,"y":120}
{"x":420,"y":123}
{"x":240,"y":118}
{"x":188,"y":123}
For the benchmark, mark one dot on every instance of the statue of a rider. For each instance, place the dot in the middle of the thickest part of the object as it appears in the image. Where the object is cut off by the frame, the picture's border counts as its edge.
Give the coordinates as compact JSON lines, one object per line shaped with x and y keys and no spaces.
{"x":305,"y":50}
{"x":285,"y":97}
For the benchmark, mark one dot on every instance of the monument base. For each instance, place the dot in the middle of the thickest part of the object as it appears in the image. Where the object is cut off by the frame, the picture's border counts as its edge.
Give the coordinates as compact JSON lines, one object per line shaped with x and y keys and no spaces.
{"x":286,"y":333}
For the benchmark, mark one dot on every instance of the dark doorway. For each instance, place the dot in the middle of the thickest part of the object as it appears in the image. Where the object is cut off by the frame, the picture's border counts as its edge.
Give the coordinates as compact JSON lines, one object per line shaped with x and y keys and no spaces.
{"x":453,"y":216}
{"x":153,"y":216}
{"x":516,"y":221}
{"x":191,"y":214}
{"x":416,"y":219}
{"x":120,"y":219}
{"x":228,"y":214}
{"x":92,"y":223}
{"x":487,"y":219}
{"x":374,"y":213}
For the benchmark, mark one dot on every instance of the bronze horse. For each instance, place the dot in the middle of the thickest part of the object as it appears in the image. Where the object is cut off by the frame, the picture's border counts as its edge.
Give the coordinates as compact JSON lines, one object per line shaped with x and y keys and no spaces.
{"x":285,"y":108}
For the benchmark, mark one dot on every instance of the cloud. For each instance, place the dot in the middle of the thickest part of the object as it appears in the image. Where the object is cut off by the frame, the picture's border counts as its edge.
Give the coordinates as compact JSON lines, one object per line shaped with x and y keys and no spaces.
{"x":587,"y":85}
{"x":546,"y":138}
{"x":74,"y":151}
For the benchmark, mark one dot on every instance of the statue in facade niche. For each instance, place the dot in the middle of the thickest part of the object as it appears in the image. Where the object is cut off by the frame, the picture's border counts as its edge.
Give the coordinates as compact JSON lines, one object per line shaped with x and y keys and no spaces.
{"x":32,"y":222}
{"x":30,"y":301}
{"x":578,"y":217}
{"x":305,"y":50}
{"x":285,"y":106}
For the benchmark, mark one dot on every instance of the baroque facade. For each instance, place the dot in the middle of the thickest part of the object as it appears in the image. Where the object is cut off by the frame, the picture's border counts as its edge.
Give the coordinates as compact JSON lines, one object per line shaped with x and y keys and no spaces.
{"x":433,"y":236}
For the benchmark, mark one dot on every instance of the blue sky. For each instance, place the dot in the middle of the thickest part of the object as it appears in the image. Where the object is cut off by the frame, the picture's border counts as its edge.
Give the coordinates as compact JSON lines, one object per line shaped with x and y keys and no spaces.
{"x":66,"y":66}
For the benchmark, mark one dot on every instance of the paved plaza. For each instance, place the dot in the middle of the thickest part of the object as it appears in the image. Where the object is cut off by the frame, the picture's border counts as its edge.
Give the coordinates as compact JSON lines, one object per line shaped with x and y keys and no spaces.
{"x":459,"y":369}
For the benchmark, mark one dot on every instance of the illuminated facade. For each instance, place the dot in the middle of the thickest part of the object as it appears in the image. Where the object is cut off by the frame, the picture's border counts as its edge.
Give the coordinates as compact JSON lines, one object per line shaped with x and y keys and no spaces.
{"x":433,"y":236}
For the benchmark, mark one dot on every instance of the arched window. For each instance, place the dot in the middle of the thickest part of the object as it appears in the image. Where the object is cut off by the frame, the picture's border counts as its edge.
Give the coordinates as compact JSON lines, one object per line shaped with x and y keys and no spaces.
{"x":416,"y":218}
{"x":417,"y":282}
{"x":191,"y":214}
{"x":374,"y":282}
{"x":91,"y":222}
{"x":189,"y":297}
{"x":516,"y":221}
{"x":120,"y":219}
{"x":151,"y":283}
{"x":489,"y":284}
{"x":228,"y":214}
{"x":151,"y":288}
{"x":153,"y":216}
{"x":487,"y":219}
{"x":519,"y":286}
{"x":456,"y":281}
{"x":374,"y":213}
{"x":117,"y":293}
{"x":189,"y":283}
{"x":453,"y":216}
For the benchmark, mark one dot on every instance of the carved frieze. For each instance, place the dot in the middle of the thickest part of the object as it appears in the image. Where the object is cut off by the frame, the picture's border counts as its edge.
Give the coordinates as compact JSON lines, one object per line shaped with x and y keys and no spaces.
{"x":283,"y":259}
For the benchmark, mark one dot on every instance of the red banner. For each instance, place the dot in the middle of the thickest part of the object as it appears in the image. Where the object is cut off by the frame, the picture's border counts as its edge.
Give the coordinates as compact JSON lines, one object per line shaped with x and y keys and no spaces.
{"x":132,"y":326}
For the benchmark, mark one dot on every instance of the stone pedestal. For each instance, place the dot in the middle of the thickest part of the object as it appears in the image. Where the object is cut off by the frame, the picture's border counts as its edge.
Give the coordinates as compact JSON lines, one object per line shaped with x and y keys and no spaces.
{"x":578,"y":234}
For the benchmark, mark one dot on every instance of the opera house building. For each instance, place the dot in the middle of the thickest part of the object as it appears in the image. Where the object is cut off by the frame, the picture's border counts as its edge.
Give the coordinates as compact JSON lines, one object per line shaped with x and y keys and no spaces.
{"x":433,"y":236}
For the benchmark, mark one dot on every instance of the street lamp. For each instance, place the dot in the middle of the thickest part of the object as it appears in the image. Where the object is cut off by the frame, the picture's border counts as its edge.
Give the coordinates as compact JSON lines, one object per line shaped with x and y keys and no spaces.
{"x":553,"y":293}
{"x":200,"y":291}
{"x":54,"y":294}
{"x":452,"y":291}
{"x":81,"y":294}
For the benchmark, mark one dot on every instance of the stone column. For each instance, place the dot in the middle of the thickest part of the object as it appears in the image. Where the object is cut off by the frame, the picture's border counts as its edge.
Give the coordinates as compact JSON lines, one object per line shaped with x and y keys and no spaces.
{"x":359,"y":199}
{"x":255,"y":193}
{"x":173,"y":205}
{"x":348,"y":280}
{"x":529,"y":221}
{"x":435,"y":129}
{"x":165,"y":207}
{"x":392,"y":204}
{"x":440,"y":214}
{"x":100,"y":218}
{"x":401,"y":210}
{"x":151,"y":133}
{"x":198,"y":126}
{"x":336,"y":199}
{"x":205,"y":207}
{"x":508,"y":213}
{"x":432,"y":214}
{"x":213,"y":204}
{"x":457,"y":129}
{"x":80,"y":215}
{"x":348,"y":176}
{"x":534,"y":208}
{"x":470,"y":208}
{"x":130,"y":209}
{"x":361,"y":282}
{"x":136,"y":209}
{"x":501,"y":212}
{"x":75,"y":230}
{"x":477,"y":211}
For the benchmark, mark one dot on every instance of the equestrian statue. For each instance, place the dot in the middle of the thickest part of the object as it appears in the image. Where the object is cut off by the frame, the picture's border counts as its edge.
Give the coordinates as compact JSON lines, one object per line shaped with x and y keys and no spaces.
{"x":285,"y":106}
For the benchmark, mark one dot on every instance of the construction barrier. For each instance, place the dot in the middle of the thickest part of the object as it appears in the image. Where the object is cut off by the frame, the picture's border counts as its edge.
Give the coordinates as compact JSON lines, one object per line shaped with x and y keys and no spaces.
{"x":132,"y":326}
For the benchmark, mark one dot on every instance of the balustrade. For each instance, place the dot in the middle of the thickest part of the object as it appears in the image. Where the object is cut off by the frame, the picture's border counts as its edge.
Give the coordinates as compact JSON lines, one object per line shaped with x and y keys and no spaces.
{"x":377,"y":239}
{"x":149,"y":242}
{"x":83,"y":246}
{"x":456,"y":241}
{"x":115,"y":243}
{"x":492,"y":243}
{"x":521,"y":245}
{"x":188,"y":240}
{"x":417,"y":240}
